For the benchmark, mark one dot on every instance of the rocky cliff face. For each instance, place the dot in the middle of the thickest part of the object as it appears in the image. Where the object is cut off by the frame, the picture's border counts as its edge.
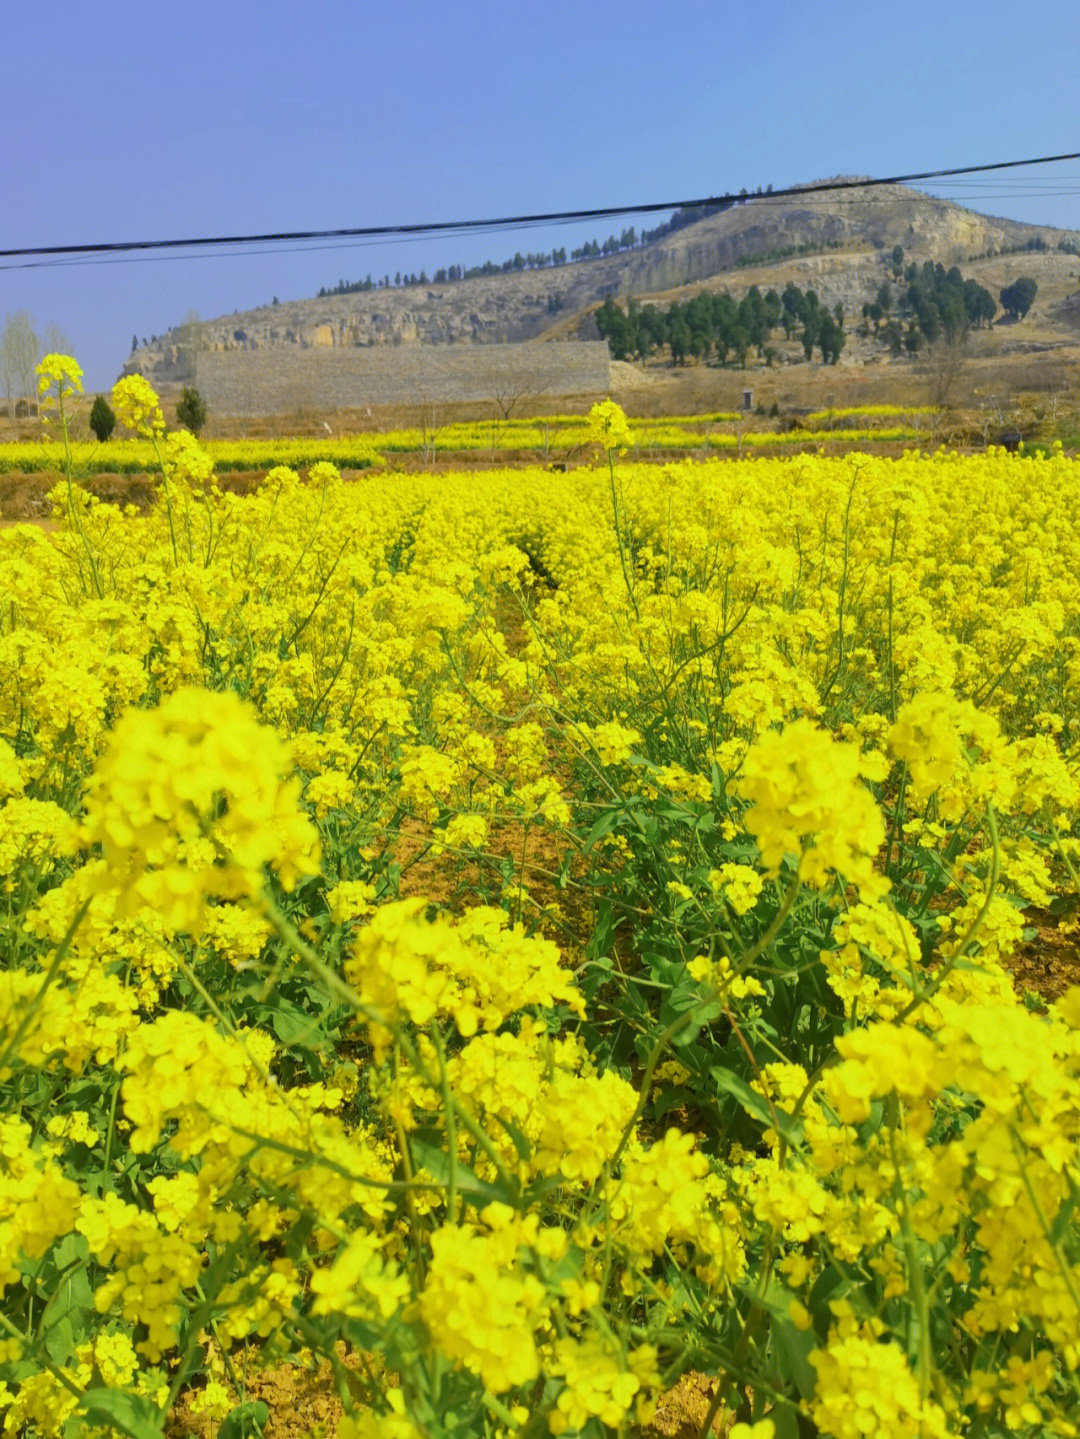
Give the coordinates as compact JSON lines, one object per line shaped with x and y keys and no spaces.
{"x":516,"y":307}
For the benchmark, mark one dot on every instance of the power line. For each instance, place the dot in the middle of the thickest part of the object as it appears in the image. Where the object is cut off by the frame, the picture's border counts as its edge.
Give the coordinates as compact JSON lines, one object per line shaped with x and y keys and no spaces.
{"x":373,"y":232}
{"x":312,"y":248}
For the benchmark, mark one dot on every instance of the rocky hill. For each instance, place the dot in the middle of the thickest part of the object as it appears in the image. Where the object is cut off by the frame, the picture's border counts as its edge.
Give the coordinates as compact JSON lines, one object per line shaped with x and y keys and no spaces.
{"x":848,"y":229}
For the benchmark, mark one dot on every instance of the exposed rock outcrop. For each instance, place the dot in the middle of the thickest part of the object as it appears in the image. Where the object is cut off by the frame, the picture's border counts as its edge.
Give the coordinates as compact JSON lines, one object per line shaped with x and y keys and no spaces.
{"x":523,"y":306}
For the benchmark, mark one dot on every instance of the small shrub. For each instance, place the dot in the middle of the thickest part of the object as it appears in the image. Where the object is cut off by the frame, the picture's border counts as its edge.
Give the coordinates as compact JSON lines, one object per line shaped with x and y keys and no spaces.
{"x":102,"y":419}
{"x":191,"y":411}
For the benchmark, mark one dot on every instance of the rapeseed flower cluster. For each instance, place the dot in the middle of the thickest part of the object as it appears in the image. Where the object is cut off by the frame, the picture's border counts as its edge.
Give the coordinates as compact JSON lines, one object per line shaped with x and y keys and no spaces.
{"x":806,"y":800}
{"x":188,"y":802}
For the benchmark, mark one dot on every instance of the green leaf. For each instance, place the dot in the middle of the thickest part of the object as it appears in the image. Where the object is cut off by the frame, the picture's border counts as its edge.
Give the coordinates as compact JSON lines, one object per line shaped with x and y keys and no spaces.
{"x":677,"y":813}
{"x":70,"y":1250}
{"x":751,"y":1101}
{"x":1061,"y":1219}
{"x":603,"y":930}
{"x":785,"y":1424}
{"x":293,"y":1027}
{"x":539,"y":1189}
{"x":603,"y":825}
{"x":563,"y":876}
{"x":132,"y":1414}
{"x":783,"y":1008}
{"x":705,"y":1014}
{"x":669,"y":1099}
{"x":245,"y":1420}
{"x":66,"y":1318}
{"x":669,"y":971}
{"x":828,"y":1285}
{"x":793,"y":1348}
{"x":59,"y":1334}
{"x":521,"y":1142}
{"x":436,"y":1161}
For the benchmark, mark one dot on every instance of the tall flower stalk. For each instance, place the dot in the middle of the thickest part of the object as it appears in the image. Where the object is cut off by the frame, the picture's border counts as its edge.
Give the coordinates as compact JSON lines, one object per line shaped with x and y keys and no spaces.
{"x":137,"y":407}
{"x":59,"y":381}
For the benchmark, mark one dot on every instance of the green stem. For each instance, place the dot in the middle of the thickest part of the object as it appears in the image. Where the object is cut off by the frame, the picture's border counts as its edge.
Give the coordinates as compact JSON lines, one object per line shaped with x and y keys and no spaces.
{"x":168,"y":496}
{"x":618,"y":536}
{"x":55,"y":1370}
{"x":451,"y":1127}
{"x":717,"y":1403}
{"x":774,"y":929}
{"x":493,"y":1406}
{"x":54,"y":968}
{"x":675,"y":1027}
{"x":935,"y":984}
{"x":1059,"y":1254}
{"x":924,"y":1364}
{"x":345,"y":992}
{"x":72,"y":511}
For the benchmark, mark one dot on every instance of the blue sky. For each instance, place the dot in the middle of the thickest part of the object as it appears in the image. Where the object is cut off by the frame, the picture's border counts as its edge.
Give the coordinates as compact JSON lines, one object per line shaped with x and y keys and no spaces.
{"x":135,"y":121}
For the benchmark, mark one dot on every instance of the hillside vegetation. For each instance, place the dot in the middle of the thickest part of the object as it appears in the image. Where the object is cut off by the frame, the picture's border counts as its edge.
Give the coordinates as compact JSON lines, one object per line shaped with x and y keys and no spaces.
{"x":841,"y":239}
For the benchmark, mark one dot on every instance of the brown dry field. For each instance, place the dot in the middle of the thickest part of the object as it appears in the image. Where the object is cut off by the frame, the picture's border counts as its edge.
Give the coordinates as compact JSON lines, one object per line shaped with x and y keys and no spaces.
{"x":991,"y":393}
{"x":1022,"y":375}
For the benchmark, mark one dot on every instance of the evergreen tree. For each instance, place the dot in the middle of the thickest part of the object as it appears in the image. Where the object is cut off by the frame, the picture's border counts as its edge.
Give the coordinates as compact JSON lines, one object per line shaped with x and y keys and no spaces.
{"x":1017,"y":298}
{"x":616,"y":328}
{"x":191,"y":411}
{"x":102,"y":419}
{"x":679,"y":340}
{"x":740,"y":343}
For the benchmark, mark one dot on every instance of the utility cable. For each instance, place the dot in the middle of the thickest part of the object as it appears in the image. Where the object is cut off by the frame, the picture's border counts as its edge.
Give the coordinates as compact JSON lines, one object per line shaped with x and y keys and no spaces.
{"x":444,"y":227}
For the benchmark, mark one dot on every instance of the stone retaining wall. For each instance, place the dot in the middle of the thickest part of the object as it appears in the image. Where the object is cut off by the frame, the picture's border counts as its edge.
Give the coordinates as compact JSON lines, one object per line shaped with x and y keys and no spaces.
{"x":281,"y":381}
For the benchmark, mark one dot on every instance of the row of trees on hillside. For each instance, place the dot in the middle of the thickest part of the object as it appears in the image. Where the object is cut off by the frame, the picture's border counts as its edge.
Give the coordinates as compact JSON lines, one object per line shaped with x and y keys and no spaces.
{"x":544,"y":260}
{"x":1070,"y":245}
{"x":717,"y":325}
{"x":628,"y":239}
{"x":943,"y":301}
{"x":932,"y":303}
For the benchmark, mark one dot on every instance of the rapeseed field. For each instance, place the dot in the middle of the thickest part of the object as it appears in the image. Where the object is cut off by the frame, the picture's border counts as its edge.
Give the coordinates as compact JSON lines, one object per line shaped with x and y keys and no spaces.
{"x":521,"y":937}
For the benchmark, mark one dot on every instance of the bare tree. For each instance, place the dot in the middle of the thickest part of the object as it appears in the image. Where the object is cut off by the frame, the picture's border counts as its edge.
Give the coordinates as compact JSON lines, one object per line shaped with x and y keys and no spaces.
{"x":517,"y":390}
{"x":432,"y":423}
{"x":56,"y":342}
{"x":7,"y":367}
{"x":18,"y":356}
{"x":944,"y":365}
{"x":1057,"y":389}
{"x":510,"y":391}
{"x":190,"y":341}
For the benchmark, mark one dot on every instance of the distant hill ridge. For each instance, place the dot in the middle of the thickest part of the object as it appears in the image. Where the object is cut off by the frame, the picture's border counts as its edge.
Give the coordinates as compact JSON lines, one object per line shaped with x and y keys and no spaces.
{"x":539,"y":303}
